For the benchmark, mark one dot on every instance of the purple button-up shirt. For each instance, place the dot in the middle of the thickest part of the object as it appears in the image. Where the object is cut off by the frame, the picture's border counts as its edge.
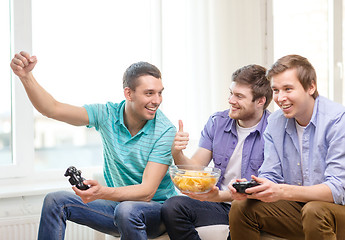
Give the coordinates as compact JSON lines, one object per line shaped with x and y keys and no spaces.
{"x":220,"y":136}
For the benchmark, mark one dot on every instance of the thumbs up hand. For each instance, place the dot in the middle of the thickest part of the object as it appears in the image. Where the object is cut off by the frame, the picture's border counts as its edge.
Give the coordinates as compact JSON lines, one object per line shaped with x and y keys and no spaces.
{"x":181,"y":138}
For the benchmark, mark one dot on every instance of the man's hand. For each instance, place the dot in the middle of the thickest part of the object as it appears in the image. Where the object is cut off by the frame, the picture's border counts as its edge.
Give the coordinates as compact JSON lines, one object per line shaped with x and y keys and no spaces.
{"x":212,"y":196}
{"x":215,"y":195}
{"x":267,"y":191}
{"x":234,"y":193}
{"x":22,"y":64}
{"x":181,"y":138}
{"x":201,"y":157}
{"x":91,"y":194}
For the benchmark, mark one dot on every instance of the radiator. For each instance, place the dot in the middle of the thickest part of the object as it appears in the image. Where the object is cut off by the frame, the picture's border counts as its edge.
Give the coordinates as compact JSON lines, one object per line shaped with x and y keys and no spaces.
{"x":25,"y":228}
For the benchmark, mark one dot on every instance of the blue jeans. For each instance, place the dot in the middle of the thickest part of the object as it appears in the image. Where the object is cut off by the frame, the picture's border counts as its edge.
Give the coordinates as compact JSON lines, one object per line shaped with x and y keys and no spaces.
{"x":182,"y":215}
{"x":130,"y":219}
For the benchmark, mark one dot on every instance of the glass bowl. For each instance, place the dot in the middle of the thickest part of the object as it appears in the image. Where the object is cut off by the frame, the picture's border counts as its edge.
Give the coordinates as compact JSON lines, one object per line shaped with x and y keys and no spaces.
{"x":194,"y":179}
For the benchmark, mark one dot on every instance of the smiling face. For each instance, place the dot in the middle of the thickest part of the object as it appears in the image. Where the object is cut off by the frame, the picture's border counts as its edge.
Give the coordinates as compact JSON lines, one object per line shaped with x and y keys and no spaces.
{"x":292,"y":98}
{"x":242,"y":107}
{"x":143,"y":102}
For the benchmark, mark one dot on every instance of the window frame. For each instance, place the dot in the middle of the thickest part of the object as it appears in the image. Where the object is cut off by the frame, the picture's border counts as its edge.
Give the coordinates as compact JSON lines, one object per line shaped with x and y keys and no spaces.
{"x":22,"y":111}
{"x":21,"y":108}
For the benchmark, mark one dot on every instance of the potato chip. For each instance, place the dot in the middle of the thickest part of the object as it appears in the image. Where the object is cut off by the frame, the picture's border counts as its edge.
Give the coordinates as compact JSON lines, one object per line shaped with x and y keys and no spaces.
{"x":197,"y":182}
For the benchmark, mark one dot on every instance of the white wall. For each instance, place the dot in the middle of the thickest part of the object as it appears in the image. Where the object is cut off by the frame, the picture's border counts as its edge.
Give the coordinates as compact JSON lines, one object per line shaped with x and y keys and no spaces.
{"x":212,"y":39}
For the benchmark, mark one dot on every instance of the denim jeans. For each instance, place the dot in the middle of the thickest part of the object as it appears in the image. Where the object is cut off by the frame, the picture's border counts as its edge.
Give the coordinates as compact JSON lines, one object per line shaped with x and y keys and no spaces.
{"x":130,"y":219}
{"x":182,"y":215}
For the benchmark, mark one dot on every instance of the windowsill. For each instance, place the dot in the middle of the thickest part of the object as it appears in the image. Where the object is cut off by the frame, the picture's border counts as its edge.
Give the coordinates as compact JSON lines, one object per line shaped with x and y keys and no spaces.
{"x":21,"y":190}
{"x":40,"y":184}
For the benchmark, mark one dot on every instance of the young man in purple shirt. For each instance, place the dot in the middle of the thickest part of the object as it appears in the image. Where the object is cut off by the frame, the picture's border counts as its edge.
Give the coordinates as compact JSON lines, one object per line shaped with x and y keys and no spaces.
{"x":233,"y":140}
{"x":302,"y":193}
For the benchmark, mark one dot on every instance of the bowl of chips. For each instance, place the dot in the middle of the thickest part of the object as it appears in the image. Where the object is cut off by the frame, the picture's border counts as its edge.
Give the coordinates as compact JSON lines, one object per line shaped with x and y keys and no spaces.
{"x":194,"y":179}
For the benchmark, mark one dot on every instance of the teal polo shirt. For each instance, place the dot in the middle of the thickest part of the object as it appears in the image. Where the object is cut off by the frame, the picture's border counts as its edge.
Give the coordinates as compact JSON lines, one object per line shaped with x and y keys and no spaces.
{"x":125,"y":157}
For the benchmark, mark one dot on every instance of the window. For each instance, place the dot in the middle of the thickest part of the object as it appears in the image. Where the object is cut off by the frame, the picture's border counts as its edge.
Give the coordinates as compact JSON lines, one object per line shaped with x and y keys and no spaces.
{"x":83,"y":47}
{"x":5,"y":89}
{"x":302,"y":27}
{"x":82,"y":55}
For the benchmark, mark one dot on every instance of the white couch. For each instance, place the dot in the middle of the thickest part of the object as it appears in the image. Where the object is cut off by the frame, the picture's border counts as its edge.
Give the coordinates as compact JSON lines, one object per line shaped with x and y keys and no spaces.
{"x":214,"y":232}
{"x":208,"y":233}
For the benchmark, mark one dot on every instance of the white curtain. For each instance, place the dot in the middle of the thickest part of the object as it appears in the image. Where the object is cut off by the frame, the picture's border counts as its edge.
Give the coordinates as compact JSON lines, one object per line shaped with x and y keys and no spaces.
{"x":203,"y":42}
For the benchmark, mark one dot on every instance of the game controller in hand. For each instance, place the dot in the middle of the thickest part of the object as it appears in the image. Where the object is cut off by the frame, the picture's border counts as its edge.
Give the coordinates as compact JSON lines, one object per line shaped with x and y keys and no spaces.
{"x":75,"y":178}
{"x":242,"y":186}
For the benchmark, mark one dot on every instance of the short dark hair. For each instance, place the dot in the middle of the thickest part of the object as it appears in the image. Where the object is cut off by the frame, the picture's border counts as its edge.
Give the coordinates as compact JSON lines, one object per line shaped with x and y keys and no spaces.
{"x":254,"y":76}
{"x":136,"y":70}
{"x":305,"y":71}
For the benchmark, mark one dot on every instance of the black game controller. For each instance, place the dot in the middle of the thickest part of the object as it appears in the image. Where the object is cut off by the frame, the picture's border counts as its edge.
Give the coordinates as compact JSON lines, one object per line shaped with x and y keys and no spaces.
{"x":242,"y":186}
{"x":75,"y":178}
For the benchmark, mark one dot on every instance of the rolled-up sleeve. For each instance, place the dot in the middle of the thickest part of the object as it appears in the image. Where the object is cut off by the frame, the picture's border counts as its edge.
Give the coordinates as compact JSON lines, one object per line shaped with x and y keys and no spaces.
{"x":207,"y":135}
{"x":335,"y":160}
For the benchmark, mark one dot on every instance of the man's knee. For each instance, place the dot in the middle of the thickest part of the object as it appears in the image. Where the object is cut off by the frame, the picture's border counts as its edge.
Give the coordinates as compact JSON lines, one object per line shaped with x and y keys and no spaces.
{"x":54,"y":198}
{"x":237,"y":209}
{"x":125,"y":211}
{"x":317,"y":216}
{"x":314,"y":210}
{"x":172,"y":206}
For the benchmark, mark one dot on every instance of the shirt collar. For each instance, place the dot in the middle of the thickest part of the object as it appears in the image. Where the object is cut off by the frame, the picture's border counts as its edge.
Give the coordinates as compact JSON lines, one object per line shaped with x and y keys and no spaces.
{"x":290,"y":123}
{"x":120,"y":110}
{"x":121,"y":121}
{"x":313,"y":119}
{"x":231,"y":125}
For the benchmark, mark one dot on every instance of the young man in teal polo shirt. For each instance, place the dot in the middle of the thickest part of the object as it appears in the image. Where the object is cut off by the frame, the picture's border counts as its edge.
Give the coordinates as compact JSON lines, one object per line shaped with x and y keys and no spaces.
{"x":137,"y":139}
